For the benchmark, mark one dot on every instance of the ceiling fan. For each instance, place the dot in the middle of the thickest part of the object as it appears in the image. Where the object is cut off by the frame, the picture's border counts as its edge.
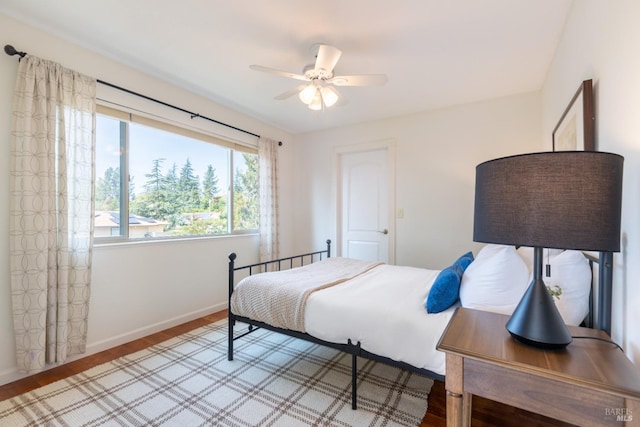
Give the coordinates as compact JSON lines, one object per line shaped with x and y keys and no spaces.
{"x":319,"y":90}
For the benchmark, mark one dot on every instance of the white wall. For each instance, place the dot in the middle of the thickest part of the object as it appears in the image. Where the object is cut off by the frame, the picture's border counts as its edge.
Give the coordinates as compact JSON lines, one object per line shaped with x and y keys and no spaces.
{"x":137,"y":289}
{"x":600,"y":42}
{"x":436,"y":156}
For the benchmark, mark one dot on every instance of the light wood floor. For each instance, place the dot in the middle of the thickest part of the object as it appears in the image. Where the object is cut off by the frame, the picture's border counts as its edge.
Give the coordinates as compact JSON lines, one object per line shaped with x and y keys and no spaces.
{"x":486,"y":413}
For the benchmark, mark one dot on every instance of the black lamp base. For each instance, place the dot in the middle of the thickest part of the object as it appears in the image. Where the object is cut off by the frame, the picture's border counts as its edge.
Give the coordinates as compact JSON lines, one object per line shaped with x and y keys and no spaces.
{"x":536,"y":320}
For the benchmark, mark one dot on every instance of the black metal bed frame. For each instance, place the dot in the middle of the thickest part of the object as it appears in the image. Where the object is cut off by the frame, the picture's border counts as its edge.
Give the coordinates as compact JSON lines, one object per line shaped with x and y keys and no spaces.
{"x":602,"y":300}
{"x":354,"y":349}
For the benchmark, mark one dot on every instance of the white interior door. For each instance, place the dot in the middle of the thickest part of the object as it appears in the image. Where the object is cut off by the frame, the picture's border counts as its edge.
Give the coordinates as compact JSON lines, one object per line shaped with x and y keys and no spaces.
{"x":364,"y":205}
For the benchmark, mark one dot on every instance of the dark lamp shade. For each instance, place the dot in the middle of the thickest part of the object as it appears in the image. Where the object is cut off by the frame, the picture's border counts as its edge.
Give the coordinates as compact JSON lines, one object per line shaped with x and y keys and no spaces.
{"x":563,"y":199}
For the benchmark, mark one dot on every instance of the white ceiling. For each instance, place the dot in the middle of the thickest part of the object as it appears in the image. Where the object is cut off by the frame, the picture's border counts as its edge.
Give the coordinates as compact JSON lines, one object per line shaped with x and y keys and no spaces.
{"x":436,"y":53}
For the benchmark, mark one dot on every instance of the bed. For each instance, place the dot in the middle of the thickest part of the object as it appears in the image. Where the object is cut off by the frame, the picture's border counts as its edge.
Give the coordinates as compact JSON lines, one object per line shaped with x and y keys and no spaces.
{"x":389,"y":322}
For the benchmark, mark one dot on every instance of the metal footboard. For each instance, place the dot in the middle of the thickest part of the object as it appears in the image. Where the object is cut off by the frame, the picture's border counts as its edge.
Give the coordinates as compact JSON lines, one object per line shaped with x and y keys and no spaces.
{"x":273,"y":265}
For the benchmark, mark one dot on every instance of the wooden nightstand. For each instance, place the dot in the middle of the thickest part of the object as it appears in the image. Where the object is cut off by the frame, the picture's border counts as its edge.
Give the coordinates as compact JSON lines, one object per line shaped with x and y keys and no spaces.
{"x":588,"y":383}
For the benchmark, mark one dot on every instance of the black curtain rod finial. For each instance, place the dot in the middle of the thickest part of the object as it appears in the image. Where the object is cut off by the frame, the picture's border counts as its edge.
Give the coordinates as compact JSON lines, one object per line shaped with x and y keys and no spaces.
{"x":11,"y":51}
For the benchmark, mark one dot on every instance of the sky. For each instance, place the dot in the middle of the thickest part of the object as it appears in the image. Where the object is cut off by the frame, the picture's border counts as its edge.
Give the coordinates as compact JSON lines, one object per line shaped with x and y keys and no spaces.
{"x":148,"y":144}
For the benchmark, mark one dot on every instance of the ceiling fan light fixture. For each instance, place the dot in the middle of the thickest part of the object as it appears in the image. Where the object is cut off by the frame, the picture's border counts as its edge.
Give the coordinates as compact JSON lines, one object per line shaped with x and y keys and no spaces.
{"x":307,"y":94}
{"x":329,"y":97}
{"x":316,"y":103}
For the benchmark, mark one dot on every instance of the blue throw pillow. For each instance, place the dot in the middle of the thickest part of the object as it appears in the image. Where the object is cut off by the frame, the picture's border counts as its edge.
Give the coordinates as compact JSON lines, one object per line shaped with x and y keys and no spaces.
{"x":445,"y":290}
{"x":464,"y":260}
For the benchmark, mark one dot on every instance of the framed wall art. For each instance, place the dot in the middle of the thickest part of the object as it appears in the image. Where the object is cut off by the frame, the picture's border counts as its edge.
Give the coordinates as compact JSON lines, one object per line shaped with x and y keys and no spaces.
{"x":576,"y":128}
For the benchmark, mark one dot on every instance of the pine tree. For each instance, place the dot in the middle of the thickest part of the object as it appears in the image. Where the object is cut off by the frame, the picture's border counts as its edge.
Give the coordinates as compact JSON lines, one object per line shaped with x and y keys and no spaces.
{"x":171,"y":180}
{"x":188,"y":188}
{"x":209,"y":189}
{"x":156,"y":202}
{"x":155,"y":180}
{"x":108,"y":190}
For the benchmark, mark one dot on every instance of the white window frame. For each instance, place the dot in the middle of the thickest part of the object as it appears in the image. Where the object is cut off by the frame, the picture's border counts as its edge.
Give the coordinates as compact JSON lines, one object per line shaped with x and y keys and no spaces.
{"x":128,"y":115}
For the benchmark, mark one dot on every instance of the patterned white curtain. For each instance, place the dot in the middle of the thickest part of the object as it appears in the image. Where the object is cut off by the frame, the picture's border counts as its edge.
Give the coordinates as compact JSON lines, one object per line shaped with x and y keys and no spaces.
{"x":51,"y":211}
{"x":268,"y":171}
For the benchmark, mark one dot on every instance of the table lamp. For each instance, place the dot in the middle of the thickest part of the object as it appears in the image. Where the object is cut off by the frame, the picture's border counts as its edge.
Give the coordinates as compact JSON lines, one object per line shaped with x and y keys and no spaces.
{"x":560,"y":199}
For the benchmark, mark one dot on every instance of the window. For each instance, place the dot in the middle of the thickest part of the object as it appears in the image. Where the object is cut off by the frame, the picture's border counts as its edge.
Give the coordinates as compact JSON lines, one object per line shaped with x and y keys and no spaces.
{"x":155,"y":180}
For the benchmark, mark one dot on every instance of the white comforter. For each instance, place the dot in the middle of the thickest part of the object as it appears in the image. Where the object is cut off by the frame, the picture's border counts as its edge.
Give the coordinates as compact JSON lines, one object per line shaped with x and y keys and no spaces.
{"x":279,"y":298}
{"x":383,"y":309}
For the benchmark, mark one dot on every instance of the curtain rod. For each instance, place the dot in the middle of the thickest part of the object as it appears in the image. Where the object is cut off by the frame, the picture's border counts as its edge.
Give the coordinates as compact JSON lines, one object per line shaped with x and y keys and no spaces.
{"x":11,"y":51}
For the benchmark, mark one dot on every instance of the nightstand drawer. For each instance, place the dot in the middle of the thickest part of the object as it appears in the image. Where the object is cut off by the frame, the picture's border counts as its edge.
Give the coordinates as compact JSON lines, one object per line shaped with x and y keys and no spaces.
{"x":571,"y":403}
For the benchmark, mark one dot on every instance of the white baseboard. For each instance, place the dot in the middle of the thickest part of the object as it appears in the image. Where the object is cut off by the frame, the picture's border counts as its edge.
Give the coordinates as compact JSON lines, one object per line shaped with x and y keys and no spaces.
{"x":10,"y":375}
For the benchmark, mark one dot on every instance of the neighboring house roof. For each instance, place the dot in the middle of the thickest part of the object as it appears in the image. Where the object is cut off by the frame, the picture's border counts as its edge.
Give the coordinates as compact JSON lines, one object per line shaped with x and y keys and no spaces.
{"x":112,"y":219}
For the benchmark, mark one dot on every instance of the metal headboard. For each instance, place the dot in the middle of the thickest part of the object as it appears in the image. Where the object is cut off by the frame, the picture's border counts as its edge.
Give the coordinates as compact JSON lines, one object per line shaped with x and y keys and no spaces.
{"x":600,"y":301}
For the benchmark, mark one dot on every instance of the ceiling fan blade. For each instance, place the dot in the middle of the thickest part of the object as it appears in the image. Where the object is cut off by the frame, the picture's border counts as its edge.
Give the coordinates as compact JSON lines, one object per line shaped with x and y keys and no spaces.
{"x":359,"y":80}
{"x":327,"y":58}
{"x":290,"y":92}
{"x":279,"y":72}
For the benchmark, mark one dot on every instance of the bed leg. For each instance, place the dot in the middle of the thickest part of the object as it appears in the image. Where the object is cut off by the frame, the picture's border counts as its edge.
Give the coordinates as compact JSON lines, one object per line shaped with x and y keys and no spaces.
{"x":354,"y":381}
{"x":230,"y":336}
{"x":355,"y":350}
{"x":231,"y":317}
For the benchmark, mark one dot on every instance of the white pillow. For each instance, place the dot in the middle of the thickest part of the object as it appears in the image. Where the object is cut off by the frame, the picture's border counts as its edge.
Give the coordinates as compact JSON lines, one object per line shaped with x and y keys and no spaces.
{"x":495,"y":280}
{"x":571,"y":272}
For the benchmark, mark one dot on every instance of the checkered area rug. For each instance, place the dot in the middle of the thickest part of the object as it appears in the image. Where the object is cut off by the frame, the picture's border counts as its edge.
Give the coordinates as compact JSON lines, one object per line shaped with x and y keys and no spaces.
{"x":274,"y":380}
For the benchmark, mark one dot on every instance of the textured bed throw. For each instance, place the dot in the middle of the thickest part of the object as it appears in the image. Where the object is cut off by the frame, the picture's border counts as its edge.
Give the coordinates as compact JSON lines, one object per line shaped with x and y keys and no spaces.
{"x":275,"y":380}
{"x":278,"y":298}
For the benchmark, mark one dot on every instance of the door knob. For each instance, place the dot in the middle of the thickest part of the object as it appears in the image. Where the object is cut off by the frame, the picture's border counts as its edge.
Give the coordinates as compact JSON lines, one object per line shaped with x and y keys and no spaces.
{"x":385,"y":231}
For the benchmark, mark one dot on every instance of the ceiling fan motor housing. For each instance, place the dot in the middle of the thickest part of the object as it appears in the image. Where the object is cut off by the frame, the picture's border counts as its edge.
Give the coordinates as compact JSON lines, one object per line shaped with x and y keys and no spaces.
{"x":312,"y":73}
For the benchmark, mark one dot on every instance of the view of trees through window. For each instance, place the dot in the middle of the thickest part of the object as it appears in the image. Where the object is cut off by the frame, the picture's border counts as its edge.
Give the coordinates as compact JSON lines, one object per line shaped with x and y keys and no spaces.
{"x":178,"y":186}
